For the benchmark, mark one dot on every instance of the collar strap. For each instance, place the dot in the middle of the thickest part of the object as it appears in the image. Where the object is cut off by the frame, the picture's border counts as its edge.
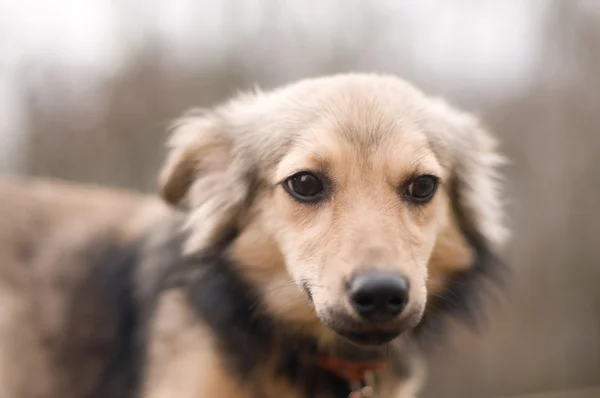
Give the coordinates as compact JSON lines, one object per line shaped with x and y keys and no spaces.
{"x":351,"y":371}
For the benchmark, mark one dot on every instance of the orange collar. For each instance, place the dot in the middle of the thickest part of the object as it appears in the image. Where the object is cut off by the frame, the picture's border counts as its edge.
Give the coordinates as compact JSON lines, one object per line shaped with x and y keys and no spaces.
{"x":352,"y":371}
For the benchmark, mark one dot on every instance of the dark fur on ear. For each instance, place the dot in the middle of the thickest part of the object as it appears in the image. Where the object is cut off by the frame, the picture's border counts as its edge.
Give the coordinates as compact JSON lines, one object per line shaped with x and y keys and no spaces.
{"x":461,"y":295}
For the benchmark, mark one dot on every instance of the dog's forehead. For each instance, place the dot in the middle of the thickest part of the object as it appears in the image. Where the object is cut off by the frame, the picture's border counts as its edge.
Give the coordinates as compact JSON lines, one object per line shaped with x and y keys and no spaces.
{"x":365,"y":109}
{"x":334,"y":149}
{"x":350,"y":119}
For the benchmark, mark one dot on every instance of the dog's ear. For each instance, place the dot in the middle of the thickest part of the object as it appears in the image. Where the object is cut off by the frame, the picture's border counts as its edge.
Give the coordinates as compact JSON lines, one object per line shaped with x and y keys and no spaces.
{"x":203,"y":176}
{"x":467,"y":247}
{"x":470,"y":154}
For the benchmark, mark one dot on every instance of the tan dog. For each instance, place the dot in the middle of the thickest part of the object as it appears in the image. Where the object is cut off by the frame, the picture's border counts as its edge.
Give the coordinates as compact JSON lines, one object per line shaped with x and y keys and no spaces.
{"x":321,"y":228}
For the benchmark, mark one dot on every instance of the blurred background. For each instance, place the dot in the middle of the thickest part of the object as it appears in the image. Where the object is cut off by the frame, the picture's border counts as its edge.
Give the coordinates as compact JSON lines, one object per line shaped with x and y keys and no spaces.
{"x":87,"y":88}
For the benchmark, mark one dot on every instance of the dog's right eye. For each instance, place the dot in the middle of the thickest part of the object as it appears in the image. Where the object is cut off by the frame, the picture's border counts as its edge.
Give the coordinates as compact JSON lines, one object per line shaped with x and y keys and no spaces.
{"x":305,"y":187}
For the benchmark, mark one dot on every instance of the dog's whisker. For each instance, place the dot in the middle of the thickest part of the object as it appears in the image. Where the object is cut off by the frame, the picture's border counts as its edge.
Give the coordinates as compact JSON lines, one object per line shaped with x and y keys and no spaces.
{"x":288,"y":302}
{"x":445,"y":298}
{"x":281,"y":287}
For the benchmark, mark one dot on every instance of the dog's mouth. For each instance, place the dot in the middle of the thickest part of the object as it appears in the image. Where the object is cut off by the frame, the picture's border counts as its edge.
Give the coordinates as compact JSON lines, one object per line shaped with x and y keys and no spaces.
{"x":368,"y":338}
{"x":360,"y":331}
{"x":306,"y":290}
{"x":365,"y":333}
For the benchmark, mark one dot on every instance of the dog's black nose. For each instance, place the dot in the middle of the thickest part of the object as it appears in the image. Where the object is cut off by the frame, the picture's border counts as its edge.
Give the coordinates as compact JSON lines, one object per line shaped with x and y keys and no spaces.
{"x":378,"y":296}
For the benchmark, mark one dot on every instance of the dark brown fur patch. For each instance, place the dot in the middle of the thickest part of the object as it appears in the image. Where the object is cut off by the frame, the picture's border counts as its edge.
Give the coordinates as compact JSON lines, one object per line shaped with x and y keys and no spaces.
{"x":102,"y":324}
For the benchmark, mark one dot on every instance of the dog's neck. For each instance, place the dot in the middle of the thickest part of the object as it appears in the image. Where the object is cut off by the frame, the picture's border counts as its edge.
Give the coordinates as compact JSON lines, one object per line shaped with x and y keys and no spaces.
{"x":342,"y":368}
{"x":357,"y":365}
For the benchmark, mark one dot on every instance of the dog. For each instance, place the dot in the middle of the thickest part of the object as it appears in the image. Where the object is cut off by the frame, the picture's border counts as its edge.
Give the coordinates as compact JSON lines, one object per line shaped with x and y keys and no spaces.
{"x":303,"y":241}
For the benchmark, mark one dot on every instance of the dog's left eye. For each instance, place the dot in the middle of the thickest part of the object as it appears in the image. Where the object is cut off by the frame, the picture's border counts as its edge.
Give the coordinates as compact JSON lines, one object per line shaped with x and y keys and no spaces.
{"x":305,"y":187}
{"x":421,"y":189}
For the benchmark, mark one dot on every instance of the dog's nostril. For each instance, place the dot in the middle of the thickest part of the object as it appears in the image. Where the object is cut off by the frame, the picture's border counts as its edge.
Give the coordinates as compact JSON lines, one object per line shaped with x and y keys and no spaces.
{"x":378,"y":296}
{"x":364,"y":301}
{"x":396,"y":301}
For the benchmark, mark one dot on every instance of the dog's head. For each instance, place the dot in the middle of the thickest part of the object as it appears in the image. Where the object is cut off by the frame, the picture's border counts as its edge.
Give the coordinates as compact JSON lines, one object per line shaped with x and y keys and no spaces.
{"x":354,"y":195}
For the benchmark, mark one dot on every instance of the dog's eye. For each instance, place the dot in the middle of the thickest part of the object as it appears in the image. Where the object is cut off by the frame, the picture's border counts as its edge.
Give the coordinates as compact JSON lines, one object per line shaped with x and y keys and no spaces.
{"x":305,"y":187}
{"x":421,"y":189}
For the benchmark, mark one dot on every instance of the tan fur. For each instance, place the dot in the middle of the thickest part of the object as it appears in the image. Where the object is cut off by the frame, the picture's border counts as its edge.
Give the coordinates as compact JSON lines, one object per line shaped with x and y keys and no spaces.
{"x":183,"y":358}
{"x":368,"y":133}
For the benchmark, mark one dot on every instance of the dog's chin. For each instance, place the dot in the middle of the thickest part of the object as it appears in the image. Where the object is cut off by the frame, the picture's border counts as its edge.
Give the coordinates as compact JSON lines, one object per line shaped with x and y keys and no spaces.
{"x":375,"y":337}
{"x":365,"y":333}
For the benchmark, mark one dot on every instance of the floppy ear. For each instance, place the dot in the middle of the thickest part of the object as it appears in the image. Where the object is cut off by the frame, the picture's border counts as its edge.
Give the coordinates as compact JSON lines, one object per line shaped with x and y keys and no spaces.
{"x":203,"y":176}
{"x":467,"y":247}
